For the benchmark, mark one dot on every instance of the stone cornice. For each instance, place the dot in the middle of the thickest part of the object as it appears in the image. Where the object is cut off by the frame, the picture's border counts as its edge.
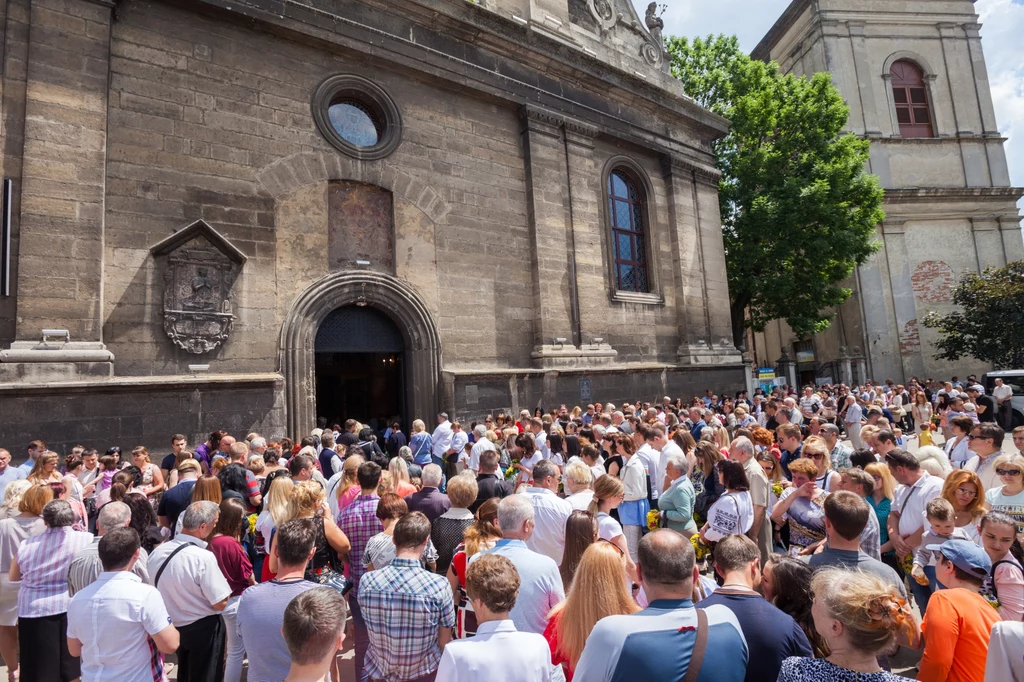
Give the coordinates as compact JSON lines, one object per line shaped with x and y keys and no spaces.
{"x":930,"y":194}
{"x":674,"y":165}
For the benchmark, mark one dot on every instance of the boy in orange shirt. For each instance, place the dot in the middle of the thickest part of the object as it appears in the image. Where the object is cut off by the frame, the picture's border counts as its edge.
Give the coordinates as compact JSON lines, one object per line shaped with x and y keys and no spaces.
{"x":958,"y":621}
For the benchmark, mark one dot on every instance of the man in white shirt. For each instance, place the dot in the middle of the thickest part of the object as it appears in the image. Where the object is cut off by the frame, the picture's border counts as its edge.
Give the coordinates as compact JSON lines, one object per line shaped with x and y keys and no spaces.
{"x":540,"y":436}
{"x":1003,"y":394}
{"x":550,"y":512}
{"x":195,"y":592}
{"x":482,"y":445}
{"x":492,"y":584}
{"x":111,"y":621}
{"x":459,"y":440}
{"x":851,"y":421}
{"x":917,"y":488}
{"x":441,"y":440}
{"x":986,"y":442}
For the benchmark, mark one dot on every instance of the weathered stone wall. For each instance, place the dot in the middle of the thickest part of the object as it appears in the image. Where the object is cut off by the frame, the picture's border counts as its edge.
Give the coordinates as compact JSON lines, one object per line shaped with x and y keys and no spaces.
{"x":127,"y":414}
{"x":479,"y":394}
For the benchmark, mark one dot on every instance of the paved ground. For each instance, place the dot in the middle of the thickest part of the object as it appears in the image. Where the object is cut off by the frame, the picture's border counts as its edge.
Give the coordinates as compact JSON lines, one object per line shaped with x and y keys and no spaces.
{"x":903,"y":663}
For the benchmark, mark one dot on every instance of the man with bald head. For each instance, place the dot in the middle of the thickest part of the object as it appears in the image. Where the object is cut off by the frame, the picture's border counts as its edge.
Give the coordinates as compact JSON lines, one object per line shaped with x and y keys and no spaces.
{"x":7,"y":472}
{"x":667,"y":569}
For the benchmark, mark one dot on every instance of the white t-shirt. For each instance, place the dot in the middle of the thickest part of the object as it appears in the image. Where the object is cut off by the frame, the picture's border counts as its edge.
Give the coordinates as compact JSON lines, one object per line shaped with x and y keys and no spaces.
{"x":1001,"y":392}
{"x":112,"y":618}
{"x":1011,"y":505}
{"x":912,"y":516}
{"x":529,"y":463}
{"x":732,"y":514}
{"x":607,"y":527}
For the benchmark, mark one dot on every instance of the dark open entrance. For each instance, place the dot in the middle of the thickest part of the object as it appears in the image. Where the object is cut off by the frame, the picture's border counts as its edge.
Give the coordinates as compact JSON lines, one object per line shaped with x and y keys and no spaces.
{"x":359,"y":366}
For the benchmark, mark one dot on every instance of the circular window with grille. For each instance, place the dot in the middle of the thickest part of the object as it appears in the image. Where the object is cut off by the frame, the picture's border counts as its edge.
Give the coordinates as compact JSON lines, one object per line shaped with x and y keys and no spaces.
{"x":357,"y":116}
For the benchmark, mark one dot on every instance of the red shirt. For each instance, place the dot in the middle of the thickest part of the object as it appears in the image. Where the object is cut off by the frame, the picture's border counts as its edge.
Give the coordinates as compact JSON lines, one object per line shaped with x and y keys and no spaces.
{"x":551,"y":634}
{"x":233,"y":561}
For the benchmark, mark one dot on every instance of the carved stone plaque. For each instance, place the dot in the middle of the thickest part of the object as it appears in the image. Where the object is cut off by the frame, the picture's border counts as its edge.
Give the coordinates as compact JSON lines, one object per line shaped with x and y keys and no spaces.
{"x":200,"y":271}
{"x":360,"y":227}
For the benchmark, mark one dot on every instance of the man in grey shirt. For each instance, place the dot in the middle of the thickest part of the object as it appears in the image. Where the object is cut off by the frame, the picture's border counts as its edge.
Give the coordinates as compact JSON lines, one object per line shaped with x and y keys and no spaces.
{"x":846,"y":514}
{"x":86,"y":566}
{"x":261,"y":607}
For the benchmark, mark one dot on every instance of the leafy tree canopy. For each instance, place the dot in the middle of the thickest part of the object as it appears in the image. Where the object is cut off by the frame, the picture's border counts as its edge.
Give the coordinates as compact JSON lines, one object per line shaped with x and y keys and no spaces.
{"x":798,"y":209}
{"x":990,"y":321}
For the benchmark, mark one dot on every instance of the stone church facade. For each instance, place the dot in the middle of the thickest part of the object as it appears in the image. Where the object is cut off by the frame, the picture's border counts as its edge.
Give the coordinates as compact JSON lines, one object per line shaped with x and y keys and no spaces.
{"x":913,"y":74}
{"x":249,"y":214}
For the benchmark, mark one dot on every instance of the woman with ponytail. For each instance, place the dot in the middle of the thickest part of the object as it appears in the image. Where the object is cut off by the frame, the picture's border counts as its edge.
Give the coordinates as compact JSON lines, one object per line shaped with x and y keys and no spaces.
{"x":860,"y":616}
{"x":608,"y":494}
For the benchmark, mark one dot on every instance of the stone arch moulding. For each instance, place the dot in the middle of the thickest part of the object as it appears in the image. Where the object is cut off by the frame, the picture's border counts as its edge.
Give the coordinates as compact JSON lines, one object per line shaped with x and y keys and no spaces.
{"x":306,"y":168}
{"x":929,"y":72}
{"x":384,"y":292}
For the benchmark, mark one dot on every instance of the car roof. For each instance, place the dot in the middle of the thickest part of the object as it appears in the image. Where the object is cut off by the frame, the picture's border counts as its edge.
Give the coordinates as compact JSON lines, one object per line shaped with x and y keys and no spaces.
{"x":1006,"y":373}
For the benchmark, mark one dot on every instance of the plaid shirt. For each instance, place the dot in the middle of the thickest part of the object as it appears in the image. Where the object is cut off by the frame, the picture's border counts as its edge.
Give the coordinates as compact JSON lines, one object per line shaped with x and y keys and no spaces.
{"x":359,"y":522}
{"x":403,"y":606}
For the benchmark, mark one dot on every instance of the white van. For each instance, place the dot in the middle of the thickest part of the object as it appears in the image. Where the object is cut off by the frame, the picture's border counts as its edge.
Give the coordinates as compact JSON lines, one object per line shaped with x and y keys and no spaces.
{"x":1014,"y":378}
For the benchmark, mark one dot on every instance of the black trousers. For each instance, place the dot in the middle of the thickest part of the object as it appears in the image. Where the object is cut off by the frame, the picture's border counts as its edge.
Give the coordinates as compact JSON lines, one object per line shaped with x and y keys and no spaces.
{"x":43,"y":644}
{"x":201,"y":651}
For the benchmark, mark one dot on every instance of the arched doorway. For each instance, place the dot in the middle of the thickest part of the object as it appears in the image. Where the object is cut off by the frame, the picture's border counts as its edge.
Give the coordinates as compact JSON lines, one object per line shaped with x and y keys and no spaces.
{"x":359,"y":367}
{"x":421,"y":343}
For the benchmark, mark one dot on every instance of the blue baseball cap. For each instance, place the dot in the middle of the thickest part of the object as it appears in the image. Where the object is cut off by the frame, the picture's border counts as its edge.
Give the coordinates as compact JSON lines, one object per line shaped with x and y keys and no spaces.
{"x":966,"y":556}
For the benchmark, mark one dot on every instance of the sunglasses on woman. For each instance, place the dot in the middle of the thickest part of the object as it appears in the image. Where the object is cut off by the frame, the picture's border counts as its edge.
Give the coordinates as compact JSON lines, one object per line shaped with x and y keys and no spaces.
{"x":1008,"y":472}
{"x":617,"y":548}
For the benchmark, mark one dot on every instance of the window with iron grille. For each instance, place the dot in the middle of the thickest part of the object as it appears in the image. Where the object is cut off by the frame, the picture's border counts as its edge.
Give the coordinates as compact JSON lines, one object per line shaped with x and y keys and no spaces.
{"x":911,"y":98}
{"x":629,"y":240}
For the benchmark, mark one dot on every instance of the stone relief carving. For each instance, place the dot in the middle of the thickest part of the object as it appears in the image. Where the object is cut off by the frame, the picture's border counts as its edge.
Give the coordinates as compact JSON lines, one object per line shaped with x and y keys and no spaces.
{"x":604,"y":12}
{"x":201,"y":269}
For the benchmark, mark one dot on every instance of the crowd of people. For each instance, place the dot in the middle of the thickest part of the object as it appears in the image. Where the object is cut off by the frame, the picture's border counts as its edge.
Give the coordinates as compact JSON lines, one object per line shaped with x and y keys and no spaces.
{"x":738,"y":538}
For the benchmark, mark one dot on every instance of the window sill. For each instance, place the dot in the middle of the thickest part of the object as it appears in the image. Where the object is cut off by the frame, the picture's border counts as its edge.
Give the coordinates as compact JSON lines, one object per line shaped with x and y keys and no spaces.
{"x":637,"y":297}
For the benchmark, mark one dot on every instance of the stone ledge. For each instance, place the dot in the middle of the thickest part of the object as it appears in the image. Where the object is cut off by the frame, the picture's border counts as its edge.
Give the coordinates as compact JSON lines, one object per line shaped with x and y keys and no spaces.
{"x":611,"y":368}
{"x":123,"y":384}
{"x":69,"y":352}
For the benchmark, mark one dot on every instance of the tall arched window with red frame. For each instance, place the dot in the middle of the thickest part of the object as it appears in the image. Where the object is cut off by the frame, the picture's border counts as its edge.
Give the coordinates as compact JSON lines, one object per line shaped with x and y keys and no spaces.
{"x":911,"y":97}
{"x":629,"y":239}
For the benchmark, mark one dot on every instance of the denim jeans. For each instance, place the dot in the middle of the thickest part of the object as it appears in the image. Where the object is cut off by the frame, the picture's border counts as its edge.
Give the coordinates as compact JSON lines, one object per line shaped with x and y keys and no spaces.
{"x":235,"y":648}
{"x":922,"y":593}
{"x":361,"y":637}
{"x":444,"y":479}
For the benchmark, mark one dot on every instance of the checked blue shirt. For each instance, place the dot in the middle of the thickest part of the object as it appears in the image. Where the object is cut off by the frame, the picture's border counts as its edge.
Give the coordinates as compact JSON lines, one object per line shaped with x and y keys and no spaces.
{"x":404,"y":606}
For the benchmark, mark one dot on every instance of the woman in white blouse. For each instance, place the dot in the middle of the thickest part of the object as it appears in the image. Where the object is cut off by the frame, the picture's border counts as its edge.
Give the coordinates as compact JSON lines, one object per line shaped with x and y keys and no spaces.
{"x":957,"y":447}
{"x":634,"y":506}
{"x":733,"y":512}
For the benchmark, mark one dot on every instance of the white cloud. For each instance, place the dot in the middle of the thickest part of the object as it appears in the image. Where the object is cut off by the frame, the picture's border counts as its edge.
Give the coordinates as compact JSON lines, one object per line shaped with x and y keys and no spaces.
{"x":1003,"y":27}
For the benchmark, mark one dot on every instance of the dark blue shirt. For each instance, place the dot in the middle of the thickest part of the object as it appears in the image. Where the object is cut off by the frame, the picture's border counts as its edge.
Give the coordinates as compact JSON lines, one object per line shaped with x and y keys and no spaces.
{"x":771,"y":634}
{"x":697,"y":428}
{"x":788,"y":457}
{"x":174,"y":501}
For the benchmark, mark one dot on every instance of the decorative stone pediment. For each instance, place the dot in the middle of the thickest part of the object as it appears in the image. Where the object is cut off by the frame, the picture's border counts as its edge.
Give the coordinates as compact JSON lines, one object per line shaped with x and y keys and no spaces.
{"x":200,"y":271}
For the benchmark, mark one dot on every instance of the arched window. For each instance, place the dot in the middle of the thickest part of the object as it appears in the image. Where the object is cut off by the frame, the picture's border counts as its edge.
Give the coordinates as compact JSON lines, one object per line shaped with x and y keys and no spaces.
{"x":911,"y":98}
{"x":629,"y":241}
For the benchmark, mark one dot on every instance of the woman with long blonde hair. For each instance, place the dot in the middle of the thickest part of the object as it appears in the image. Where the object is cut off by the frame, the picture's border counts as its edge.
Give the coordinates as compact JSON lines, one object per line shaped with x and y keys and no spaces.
{"x":44,"y":471}
{"x":881,"y":503}
{"x":277,"y":508}
{"x":597,"y":591}
{"x":348,"y":489}
{"x":400,"y":475}
{"x":308,"y":502}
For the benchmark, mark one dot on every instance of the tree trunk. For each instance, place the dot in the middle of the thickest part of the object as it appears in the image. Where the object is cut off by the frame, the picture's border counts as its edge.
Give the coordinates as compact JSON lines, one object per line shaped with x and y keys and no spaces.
{"x":738,"y":310}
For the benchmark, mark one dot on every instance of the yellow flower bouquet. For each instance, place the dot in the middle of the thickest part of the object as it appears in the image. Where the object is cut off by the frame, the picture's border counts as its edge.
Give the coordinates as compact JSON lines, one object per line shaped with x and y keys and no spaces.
{"x":701,"y":548}
{"x":653,"y":520}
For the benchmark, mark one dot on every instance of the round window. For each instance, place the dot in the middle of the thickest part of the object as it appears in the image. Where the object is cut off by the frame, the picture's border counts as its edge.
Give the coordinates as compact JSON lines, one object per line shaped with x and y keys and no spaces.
{"x":357,"y":116}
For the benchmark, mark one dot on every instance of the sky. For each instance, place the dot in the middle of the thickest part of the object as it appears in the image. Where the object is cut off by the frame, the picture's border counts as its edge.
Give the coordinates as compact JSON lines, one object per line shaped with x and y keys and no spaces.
{"x":1002,"y":32}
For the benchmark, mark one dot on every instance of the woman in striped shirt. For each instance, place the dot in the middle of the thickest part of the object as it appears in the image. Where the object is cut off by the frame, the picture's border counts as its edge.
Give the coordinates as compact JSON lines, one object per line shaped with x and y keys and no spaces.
{"x":41,"y":564}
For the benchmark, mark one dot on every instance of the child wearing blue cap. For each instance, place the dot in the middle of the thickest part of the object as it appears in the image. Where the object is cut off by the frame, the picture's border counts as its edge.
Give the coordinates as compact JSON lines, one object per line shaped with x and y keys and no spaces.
{"x":959,"y":621}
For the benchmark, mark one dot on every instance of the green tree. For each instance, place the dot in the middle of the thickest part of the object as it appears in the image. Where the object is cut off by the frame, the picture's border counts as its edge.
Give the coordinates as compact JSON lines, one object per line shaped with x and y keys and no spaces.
{"x":798,"y":209}
{"x":990,"y":324}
